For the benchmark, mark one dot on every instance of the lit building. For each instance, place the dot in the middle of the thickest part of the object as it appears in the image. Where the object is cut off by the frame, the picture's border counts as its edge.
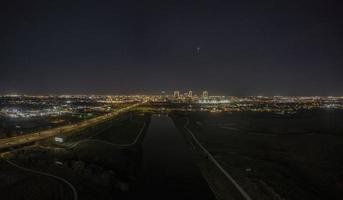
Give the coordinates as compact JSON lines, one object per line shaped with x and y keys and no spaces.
{"x":58,"y":139}
{"x":190,"y":94}
{"x":176,"y":94}
{"x":205,"y":94}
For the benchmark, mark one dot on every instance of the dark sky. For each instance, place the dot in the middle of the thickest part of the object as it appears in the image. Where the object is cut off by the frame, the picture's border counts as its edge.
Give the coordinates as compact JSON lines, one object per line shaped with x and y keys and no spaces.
{"x":255,"y":47}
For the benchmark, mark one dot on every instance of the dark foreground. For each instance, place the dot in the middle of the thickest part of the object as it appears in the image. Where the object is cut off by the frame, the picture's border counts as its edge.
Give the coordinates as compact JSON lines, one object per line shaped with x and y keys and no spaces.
{"x":126,"y":158}
{"x":273,"y":156}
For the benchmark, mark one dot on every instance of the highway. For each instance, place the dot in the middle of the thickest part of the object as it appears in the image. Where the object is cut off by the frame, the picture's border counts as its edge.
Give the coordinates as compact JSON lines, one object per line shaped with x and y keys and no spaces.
{"x":64,"y":181}
{"x":33,"y":137}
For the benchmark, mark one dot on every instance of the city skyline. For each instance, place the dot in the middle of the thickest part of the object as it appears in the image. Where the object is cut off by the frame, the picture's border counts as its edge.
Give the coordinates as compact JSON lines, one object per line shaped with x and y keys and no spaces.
{"x":172,"y":99}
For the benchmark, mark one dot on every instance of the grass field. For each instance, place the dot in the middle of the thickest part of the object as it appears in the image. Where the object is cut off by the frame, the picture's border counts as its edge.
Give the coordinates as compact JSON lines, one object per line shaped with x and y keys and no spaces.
{"x":274,"y":156}
{"x":97,"y":161}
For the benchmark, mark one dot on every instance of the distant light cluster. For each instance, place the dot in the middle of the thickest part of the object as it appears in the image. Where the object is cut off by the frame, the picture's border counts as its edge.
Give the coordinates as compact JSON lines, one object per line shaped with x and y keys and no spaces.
{"x":19,"y":113}
{"x":25,"y":106}
{"x":276,"y":104}
{"x":15,"y":106}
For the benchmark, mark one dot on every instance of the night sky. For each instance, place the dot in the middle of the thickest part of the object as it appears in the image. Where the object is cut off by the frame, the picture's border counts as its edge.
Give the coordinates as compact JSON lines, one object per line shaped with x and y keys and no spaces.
{"x":255,"y":47}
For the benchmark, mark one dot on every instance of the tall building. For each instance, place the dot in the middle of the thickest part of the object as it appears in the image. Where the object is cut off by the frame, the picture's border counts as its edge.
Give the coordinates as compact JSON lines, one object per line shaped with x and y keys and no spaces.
{"x":205,"y":94}
{"x":176,"y":94}
{"x":190,"y":93}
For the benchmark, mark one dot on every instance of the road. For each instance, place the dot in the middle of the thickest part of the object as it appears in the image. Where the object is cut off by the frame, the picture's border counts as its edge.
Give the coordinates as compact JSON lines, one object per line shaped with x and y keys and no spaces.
{"x":29,"y":138}
{"x":111,"y":143}
{"x":168,"y":170}
{"x":64,"y":181}
{"x":243,"y":194}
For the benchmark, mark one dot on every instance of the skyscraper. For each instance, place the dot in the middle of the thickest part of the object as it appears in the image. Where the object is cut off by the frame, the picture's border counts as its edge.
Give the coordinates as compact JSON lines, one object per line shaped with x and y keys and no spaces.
{"x":205,"y":94}
{"x":190,"y":94}
{"x":176,"y":94}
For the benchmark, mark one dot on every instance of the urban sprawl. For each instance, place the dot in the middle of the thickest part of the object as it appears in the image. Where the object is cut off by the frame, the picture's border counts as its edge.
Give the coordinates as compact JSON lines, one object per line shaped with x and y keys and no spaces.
{"x":27,"y":106}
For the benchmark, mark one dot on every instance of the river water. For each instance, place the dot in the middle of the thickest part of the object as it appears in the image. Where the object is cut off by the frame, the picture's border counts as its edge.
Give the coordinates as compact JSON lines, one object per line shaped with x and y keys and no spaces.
{"x":168,"y":168}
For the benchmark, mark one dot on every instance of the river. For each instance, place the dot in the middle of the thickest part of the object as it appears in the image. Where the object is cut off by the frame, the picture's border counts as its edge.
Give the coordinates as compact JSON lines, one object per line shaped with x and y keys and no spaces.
{"x":168,"y":169}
